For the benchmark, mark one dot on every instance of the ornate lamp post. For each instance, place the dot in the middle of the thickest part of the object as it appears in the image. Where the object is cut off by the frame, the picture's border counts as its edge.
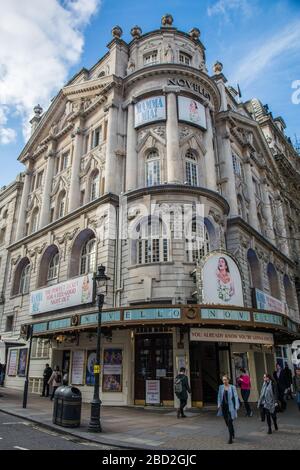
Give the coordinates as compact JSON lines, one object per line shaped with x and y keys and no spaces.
{"x":101,"y":289}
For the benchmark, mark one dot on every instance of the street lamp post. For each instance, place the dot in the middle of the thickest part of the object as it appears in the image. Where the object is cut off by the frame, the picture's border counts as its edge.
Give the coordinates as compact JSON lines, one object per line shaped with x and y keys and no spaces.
{"x":100,"y":280}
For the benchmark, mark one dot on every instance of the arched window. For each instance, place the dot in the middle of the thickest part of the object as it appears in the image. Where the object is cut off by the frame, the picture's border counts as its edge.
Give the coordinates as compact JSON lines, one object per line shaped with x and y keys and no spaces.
{"x":25,"y":280}
{"x":254,"y":269}
{"x":49,"y":267}
{"x":53,"y":269}
{"x":152,"y":243}
{"x":288,"y":289}
{"x":2,"y":235}
{"x":35,"y":220}
{"x":88,"y":257}
{"x":153,"y":168}
{"x":273,"y":281}
{"x":95,"y":186}
{"x":80,"y":249}
{"x":197,"y":244}
{"x":61,"y":204}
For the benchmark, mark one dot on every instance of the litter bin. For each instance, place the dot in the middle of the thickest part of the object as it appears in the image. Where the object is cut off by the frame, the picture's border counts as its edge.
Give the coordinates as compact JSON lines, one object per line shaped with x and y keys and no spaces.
{"x":67,"y":407}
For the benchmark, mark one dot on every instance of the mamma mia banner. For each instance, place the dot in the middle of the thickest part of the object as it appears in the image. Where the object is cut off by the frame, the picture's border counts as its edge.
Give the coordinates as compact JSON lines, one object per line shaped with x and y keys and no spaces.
{"x":66,"y":294}
{"x":149,"y":110}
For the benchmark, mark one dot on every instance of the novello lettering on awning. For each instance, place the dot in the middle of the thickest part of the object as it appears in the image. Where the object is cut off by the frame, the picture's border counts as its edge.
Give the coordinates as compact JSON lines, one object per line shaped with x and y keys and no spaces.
{"x":153,"y":314}
{"x":219,"y":314}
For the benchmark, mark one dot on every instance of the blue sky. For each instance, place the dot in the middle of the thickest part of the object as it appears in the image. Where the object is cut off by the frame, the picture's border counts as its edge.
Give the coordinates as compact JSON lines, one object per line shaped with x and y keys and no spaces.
{"x":258,"y":42}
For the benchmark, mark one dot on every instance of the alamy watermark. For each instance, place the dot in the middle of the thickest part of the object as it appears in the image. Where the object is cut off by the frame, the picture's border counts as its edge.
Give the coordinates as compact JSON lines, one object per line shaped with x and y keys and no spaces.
{"x":296,"y":94}
{"x":159,"y":221}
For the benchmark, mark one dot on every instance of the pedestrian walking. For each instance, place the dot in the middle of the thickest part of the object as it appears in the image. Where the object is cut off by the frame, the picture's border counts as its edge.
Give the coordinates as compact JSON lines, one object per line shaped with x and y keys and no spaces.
{"x":2,"y":374}
{"x":282,"y":384}
{"x":228,"y":404}
{"x":244,"y":383}
{"x":55,"y":380}
{"x":268,"y":401}
{"x":289,"y":382}
{"x":296,"y":383}
{"x":46,"y":376}
{"x":181,"y":388}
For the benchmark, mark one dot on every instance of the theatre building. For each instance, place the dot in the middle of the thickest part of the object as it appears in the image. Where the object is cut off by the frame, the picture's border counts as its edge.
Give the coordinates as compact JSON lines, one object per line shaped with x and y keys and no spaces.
{"x":153,"y":167}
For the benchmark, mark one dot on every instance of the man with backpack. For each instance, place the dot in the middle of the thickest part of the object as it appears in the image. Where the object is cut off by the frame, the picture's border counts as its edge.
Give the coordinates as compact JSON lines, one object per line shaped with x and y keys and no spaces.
{"x":55,"y":380}
{"x":181,"y":389}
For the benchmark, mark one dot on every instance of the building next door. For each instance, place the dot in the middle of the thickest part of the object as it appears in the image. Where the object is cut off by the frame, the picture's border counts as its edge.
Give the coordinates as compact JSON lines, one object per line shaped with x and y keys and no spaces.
{"x":154,"y":361}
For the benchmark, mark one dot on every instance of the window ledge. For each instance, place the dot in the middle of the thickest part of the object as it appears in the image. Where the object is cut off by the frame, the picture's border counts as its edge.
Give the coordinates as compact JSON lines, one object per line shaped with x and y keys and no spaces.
{"x":160,"y":263}
{"x":14,"y":296}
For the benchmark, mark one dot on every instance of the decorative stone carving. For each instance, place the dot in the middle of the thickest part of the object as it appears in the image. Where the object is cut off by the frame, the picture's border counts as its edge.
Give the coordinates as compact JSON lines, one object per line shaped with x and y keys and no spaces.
{"x":167,"y":20}
{"x":169,"y":54}
{"x":218,"y":67}
{"x":117,"y":32}
{"x":136,"y":32}
{"x":184,"y":132}
{"x":195,"y":33}
{"x":160,"y":131}
{"x":133,"y":212}
{"x":131,"y":66}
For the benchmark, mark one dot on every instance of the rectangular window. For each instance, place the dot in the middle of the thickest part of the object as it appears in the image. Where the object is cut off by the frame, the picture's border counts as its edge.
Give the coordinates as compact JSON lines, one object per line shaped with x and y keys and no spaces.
{"x":153,"y":173}
{"x":39,"y":180}
{"x":191,"y":173}
{"x":257,"y":188}
{"x":40,"y":348}
{"x":97,"y":136}
{"x":236,"y":165}
{"x":51,"y":214}
{"x":151,"y":58}
{"x":57,"y":165}
{"x":33,"y":183}
{"x":82,"y":197}
{"x":9,"y":323}
{"x":64,"y":161}
{"x":185,"y":58}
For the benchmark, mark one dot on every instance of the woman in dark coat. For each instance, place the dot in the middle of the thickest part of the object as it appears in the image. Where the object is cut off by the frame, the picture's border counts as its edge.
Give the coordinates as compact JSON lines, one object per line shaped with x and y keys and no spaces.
{"x":182,"y":389}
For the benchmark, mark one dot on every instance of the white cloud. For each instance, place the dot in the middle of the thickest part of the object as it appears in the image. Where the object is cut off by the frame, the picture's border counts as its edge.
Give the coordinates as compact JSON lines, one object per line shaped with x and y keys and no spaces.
{"x":7,"y":135}
{"x":39,"y":42}
{"x":225,"y":7}
{"x":254,"y":63}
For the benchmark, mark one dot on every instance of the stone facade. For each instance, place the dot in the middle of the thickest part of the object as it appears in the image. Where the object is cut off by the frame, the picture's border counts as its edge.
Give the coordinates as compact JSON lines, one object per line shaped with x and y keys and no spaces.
{"x":88,"y":155}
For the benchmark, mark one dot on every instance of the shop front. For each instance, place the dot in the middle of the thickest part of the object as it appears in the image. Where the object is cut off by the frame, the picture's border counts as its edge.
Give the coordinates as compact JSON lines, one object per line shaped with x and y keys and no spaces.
{"x":214,"y":352}
{"x":142,"y":350}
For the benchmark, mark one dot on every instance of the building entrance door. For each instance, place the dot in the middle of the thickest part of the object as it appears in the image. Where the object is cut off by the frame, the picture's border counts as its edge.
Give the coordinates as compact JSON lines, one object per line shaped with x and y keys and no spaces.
{"x":154,"y":361}
{"x":208,"y":361}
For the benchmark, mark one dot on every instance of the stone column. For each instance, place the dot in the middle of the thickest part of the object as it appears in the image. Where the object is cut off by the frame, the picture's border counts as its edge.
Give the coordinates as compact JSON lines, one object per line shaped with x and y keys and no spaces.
{"x":111,"y":168}
{"x":46,"y":200}
{"x":253,"y":219}
{"x":74,"y":194}
{"x":174,"y":163}
{"x":284,"y":246}
{"x":131,"y":152}
{"x":210,"y":162}
{"x":227,"y":173}
{"x":267,"y":212}
{"x":23,"y":205}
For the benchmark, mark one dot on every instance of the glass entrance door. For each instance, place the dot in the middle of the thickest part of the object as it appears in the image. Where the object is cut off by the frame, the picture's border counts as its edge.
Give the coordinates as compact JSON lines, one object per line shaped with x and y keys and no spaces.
{"x":154,"y":361}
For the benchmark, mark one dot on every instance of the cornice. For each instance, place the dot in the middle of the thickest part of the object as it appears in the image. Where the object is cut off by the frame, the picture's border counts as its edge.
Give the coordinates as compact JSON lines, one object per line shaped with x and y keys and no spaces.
{"x":176,"y":69}
{"x":106,"y":198}
{"x":179,"y":188}
{"x":250,"y":230}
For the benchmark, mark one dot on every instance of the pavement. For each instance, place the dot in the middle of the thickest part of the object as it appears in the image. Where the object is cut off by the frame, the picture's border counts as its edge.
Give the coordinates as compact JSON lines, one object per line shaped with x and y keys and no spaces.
{"x":153,"y":428}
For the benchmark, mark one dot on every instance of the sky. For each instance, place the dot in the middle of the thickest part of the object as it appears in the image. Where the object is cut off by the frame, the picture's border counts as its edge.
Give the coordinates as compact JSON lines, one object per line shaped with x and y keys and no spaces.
{"x":44,"y":43}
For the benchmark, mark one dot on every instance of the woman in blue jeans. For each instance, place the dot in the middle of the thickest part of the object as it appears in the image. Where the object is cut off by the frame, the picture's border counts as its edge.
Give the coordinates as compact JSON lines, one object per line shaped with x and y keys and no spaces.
{"x":296,"y":382}
{"x":245,"y":383}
